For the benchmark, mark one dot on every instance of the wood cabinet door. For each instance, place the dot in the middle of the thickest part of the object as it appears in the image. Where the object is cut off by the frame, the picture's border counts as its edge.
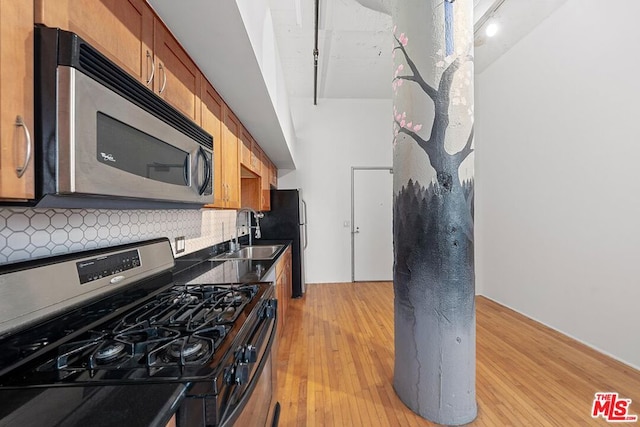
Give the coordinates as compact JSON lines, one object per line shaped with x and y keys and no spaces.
{"x":177,"y":79}
{"x":256,"y":157}
{"x":16,"y":101}
{"x":265,"y":193}
{"x":280,"y":285}
{"x":231,"y":161}
{"x":273,"y":176}
{"x":283,"y":288}
{"x":245,"y":149}
{"x":289,"y":273}
{"x":120,"y":29}
{"x":212,"y":121}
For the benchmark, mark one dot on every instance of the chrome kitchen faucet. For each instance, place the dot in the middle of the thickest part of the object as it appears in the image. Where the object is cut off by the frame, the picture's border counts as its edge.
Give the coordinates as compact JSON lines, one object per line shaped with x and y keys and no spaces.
{"x":235,"y":246}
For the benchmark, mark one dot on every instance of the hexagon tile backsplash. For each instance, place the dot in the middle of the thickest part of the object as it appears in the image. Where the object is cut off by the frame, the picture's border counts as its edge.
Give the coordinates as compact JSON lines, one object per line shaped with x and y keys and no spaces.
{"x":35,"y":233}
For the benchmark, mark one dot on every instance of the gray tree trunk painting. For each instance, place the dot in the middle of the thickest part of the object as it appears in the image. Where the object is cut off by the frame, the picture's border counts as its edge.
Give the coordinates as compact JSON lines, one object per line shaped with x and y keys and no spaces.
{"x":434,"y":280}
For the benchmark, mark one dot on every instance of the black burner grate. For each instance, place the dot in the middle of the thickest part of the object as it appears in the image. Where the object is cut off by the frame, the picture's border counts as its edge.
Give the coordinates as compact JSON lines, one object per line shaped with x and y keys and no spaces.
{"x":180,"y":327}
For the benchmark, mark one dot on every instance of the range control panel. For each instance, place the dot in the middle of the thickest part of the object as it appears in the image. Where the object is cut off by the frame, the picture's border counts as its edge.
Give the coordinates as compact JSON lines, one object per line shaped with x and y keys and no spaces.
{"x":108,"y":265}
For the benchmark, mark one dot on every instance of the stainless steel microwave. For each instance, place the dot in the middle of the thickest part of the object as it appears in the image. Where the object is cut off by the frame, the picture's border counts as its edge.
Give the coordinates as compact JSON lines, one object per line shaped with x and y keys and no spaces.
{"x":106,"y":141}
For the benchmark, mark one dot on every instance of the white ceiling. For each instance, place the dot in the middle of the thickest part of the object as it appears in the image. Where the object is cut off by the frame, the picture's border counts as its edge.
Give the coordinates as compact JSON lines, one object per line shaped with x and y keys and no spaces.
{"x":355,"y":43}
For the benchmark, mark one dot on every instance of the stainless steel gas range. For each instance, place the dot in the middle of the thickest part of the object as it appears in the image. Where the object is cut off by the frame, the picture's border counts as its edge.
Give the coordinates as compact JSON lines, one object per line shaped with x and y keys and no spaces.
{"x":112,"y":337}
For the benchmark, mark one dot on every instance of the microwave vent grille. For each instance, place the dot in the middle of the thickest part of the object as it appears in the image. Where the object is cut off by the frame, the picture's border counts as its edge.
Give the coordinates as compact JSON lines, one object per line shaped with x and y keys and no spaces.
{"x":103,"y":70}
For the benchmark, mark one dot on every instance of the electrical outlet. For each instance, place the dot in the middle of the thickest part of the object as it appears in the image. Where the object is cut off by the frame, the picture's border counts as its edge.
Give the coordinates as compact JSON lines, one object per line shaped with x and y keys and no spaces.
{"x":180,"y":245}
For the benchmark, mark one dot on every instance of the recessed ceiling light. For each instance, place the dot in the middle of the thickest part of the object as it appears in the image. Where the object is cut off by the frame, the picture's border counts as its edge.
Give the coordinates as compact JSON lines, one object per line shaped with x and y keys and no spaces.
{"x":491,"y":29}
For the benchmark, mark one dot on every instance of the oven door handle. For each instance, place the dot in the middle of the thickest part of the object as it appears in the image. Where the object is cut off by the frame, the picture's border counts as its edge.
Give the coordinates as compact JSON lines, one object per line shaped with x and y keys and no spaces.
{"x":229,"y":417}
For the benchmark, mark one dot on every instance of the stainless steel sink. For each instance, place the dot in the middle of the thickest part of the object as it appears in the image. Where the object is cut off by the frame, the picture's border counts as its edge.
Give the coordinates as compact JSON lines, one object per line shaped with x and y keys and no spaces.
{"x":251,"y":252}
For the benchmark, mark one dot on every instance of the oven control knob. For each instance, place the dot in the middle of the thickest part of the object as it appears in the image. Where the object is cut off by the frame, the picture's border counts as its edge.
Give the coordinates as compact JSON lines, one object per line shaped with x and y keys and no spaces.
{"x":270,"y":309}
{"x":250,"y":354}
{"x":229,"y":375}
{"x":242,"y":373}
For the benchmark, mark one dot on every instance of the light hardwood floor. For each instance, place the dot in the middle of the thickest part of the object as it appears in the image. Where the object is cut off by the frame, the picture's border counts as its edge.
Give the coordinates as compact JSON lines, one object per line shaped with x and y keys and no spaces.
{"x":335,"y":366}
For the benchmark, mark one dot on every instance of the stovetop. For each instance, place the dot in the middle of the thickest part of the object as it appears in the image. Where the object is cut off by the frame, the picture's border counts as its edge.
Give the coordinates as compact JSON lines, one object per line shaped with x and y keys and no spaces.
{"x":155,"y":330}
{"x":176,"y":336}
{"x":182,"y":326}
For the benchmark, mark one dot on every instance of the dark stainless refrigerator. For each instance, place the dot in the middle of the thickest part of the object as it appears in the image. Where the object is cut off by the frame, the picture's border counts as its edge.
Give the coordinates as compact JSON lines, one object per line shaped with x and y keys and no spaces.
{"x":287,"y":220}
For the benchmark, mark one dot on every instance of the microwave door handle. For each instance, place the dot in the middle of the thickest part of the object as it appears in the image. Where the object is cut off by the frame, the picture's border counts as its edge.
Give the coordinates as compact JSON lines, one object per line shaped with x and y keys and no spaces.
{"x":185,"y":170}
{"x":207,"y":170}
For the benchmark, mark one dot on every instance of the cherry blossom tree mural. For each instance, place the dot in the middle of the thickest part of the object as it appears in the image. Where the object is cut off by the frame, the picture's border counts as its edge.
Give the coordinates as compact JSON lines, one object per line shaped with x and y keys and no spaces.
{"x":434,"y":281}
{"x":434,"y":278}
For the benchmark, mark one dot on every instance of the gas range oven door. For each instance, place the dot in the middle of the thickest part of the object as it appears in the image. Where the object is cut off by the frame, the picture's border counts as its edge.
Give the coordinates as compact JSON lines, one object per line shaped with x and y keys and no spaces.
{"x":244,"y":392}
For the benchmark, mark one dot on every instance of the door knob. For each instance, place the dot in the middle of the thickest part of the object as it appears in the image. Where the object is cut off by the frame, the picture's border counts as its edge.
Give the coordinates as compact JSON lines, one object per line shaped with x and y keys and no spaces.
{"x":357,"y":230}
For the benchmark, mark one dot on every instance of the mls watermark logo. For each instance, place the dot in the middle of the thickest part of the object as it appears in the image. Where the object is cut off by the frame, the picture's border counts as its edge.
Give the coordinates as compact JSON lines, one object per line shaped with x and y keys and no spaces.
{"x":612,"y":408}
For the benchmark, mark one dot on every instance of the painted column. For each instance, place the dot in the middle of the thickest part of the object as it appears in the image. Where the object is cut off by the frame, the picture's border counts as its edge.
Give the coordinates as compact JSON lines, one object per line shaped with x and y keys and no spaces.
{"x":434,"y":278}
{"x":434,"y":281}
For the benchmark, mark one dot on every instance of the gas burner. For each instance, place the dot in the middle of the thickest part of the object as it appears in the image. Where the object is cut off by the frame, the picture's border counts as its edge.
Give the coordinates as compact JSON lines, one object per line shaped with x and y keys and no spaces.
{"x":189,"y":350}
{"x":109,"y":351}
{"x":229,"y":314}
{"x":185,"y":298}
{"x":232,"y":297}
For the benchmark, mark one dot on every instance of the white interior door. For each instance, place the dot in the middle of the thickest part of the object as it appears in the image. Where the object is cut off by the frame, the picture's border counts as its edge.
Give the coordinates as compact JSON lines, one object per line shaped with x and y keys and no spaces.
{"x":372,"y":224}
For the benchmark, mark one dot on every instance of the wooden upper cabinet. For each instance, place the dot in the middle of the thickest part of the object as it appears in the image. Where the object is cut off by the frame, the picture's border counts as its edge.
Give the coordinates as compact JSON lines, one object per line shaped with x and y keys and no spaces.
{"x":212,"y":122}
{"x":273,"y":176}
{"x":177,"y":78}
{"x":245,"y":149}
{"x":251,"y":153}
{"x":256,"y":157}
{"x":265,"y":193}
{"x":231,"y":156}
{"x":224,"y":126}
{"x":16,"y":100}
{"x":122,"y":30}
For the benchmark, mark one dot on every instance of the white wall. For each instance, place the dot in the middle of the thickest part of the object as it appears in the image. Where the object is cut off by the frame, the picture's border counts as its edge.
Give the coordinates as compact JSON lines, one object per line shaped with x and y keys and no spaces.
{"x":558,"y":212}
{"x":332,"y":137}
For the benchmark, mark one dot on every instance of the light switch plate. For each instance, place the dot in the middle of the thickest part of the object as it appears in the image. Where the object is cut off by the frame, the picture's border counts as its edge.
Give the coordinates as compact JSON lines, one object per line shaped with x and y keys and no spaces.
{"x":180,"y":244}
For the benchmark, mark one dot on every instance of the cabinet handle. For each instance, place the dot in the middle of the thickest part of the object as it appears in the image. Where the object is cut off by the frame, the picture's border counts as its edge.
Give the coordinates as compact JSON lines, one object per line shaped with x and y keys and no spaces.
{"x":153,"y":68}
{"x":27,"y":136}
{"x":164,"y":77}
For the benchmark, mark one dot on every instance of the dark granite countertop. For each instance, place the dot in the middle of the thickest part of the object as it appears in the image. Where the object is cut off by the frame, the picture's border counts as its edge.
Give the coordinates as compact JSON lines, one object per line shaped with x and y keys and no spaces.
{"x":106,"y":406}
{"x":200,"y":268}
